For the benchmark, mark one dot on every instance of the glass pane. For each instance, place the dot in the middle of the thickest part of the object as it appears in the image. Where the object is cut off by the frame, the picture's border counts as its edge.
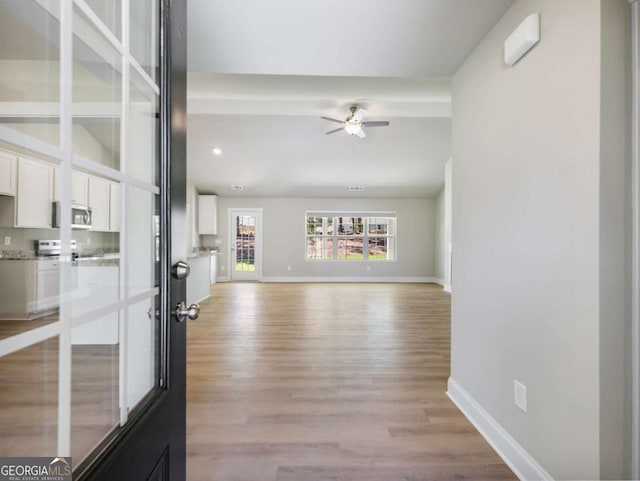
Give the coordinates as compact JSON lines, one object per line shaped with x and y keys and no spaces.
{"x":144,"y":36}
{"x":30,"y":68}
{"x":320,"y":248}
{"x":94,"y":384}
{"x":381,"y":225}
{"x":110,"y":13}
{"x":320,"y":225}
{"x":348,"y":226}
{"x":142,"y":234}
{"x":97,"y":94}
{"x":245,"y":243}
{"x":29,"y":400}
{"x":142,"y":350}
{"x":379,"y":249}
{"x":95,"y":278}
{"x":350,"y":248}
{"x":143,"y":131}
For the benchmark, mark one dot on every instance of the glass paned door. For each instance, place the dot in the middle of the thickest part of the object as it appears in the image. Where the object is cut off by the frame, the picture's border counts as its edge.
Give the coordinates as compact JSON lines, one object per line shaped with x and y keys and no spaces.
{"x":245,"y":239}
{"x":80,"y":151}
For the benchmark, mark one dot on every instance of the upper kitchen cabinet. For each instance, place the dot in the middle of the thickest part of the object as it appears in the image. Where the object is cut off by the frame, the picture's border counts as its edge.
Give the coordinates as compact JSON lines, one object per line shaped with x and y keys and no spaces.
{"x":30,"y":72}
{"x":114,"y":206}
{"x":31,"y":207}
{"x":8,"y":173}
{"x":35,"y":194}
{"x":208,"y":214}
{"x":79,"y":188}
{"x":104,"y":202}
{"x":99,"y":204}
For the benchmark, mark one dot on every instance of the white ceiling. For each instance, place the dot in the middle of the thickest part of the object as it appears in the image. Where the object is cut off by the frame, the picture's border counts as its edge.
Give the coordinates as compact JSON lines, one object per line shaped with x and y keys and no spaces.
{"x":263,"y":72}
{"x":370,"y":38}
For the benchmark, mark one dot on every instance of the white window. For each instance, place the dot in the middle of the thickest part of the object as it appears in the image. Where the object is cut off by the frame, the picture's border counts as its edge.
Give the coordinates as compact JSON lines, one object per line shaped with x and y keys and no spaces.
{"x":352,"y":236}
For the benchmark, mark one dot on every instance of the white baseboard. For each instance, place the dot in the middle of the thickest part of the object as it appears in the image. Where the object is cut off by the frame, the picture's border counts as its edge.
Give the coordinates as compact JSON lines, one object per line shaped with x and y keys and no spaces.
{"x":421,"y":280}
{"x":203,"y":299}
{"x":447,"y":288}
{"x":514,"y":455}
{"x":222,"y":279}
{"x":437,"y":280}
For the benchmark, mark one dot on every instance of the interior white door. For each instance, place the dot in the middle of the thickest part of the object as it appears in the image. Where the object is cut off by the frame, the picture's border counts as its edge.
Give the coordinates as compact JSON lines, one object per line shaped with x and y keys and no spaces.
{"x":245,"y":256}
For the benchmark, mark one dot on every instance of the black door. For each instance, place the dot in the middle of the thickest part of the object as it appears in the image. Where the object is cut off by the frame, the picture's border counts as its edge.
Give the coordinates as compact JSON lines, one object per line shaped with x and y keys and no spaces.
{"x":151,"y":445}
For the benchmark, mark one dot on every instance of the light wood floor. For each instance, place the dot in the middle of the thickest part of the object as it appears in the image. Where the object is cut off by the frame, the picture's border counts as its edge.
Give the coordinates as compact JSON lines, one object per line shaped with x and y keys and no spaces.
{"x":319,"y":382}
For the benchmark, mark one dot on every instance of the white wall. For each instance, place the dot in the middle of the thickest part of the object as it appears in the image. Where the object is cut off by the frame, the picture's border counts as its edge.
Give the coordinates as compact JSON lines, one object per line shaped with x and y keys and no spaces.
{"x":440,"y":241}
{"x":530,"y":185}
{"x":448,"y":215}
{"x":443,"y":229}
{"x":284,"y":238}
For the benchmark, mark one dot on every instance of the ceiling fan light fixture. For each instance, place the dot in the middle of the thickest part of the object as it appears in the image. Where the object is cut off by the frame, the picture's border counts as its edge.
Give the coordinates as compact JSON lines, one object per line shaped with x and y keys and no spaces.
{"x":352,"y":129}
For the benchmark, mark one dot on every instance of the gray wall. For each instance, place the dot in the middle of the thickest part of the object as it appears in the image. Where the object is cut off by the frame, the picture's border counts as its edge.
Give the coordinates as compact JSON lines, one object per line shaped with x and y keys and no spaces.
{"x":284,"y":237}
{"x":530,"y":185}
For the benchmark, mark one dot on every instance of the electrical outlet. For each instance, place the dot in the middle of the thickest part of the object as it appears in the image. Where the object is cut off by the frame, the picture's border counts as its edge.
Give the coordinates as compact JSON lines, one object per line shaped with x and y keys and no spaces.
{"x":88,"y":240}
{"x":223,"y":267}
{"x":520,"y":395}
{"x":368,"y":268}
{"x":218,"y":242}
{"x":7,"y":241}
{"x":289,"y":268}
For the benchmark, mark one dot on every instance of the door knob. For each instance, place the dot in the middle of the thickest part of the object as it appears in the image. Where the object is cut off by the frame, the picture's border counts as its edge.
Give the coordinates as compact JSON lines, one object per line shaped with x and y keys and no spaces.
{"x":182,"y":311}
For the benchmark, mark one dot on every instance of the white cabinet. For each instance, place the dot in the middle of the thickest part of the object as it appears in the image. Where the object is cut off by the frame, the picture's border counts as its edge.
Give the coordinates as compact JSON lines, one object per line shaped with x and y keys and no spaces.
{"x":34,"y":195}
{"x":47,"y":284}
{"x":8,"y":174}
{"x":198,"y":285}
{"x":79,"y":188}
{"x":97,"y":287}
{"x":99,"y":203}
{"x":104,"y":202}
{"x":208,"y":214}
{"x":114,"y":207}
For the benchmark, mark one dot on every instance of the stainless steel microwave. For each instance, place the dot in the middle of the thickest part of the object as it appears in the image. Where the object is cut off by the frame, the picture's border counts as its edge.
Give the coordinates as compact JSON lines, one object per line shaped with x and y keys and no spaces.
{"x":80,"y":216}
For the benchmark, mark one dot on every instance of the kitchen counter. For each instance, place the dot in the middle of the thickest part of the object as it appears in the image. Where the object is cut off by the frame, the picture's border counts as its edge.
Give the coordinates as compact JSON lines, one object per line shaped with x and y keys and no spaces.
{"x":201,"y":253}
{"x":97,"y":261}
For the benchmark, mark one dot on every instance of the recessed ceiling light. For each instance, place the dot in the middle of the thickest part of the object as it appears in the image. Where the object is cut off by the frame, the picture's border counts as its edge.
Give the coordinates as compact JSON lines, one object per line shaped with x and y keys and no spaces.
{"x":237,"y":187}
{"x":356,"y":188}
{"x":217,"y":151}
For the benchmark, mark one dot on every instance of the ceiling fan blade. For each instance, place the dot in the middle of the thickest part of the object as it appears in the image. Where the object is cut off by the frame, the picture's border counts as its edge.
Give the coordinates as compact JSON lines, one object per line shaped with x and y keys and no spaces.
{"x":334,"y":130}
{"x":358,"y":114}
{"x":360,"y":133}
{"x":376,"y":123}
{"x":333,"y":120}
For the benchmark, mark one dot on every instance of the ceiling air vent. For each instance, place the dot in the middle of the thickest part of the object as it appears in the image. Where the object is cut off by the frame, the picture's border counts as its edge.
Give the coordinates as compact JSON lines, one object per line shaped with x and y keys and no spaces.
{"x":237,"y":187}
{"x":356,"y":188}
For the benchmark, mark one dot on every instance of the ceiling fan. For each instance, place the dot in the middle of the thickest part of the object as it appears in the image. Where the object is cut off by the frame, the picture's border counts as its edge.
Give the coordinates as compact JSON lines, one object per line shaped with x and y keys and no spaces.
{"x":353,"y":124}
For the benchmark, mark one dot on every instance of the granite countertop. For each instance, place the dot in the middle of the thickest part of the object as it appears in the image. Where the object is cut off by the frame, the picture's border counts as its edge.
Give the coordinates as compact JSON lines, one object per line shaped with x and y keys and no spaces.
{"x":108,"y":258}
{"x":105,"y":261}
{"x":205,"y":252}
